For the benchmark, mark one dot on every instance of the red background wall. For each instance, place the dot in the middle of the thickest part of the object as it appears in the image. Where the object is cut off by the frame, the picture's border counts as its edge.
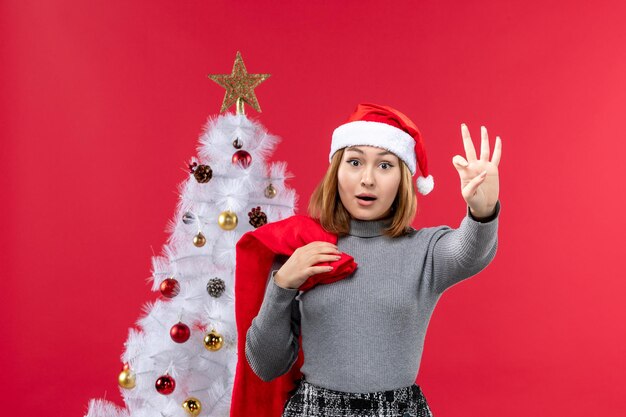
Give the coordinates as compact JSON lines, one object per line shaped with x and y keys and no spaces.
{"x":102,"y":104}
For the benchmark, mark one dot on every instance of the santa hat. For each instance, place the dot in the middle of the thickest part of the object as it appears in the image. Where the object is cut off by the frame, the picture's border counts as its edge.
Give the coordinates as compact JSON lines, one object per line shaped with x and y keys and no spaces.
{"x":387,"y":128}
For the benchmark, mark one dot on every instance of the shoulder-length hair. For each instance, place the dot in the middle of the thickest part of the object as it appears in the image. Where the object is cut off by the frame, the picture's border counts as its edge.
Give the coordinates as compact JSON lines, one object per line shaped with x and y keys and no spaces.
{"x":326,"y":207}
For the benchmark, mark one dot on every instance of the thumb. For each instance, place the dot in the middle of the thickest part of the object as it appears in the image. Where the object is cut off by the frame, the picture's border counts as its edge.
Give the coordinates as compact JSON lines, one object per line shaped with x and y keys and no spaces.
{"x":459,"y":162}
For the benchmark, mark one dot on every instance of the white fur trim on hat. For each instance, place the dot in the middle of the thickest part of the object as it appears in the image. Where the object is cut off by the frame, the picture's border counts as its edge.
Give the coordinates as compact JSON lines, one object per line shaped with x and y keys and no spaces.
{"x":382,"y":135}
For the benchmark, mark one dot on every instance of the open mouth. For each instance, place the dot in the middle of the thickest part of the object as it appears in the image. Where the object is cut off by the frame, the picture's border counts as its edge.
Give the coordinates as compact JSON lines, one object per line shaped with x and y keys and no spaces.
{"x":366,"y":198}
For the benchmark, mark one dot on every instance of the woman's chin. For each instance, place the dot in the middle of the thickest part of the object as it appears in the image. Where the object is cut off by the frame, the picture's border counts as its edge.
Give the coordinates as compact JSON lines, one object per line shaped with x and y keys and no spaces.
{"x":361,"y":213}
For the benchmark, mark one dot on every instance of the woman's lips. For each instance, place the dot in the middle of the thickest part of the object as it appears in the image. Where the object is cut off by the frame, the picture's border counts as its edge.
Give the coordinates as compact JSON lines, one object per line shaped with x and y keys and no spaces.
{"x":364,"y":203}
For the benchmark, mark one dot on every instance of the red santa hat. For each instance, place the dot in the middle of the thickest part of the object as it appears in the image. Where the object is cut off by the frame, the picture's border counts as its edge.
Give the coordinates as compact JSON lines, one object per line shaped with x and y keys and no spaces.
{"x":387,"y":128}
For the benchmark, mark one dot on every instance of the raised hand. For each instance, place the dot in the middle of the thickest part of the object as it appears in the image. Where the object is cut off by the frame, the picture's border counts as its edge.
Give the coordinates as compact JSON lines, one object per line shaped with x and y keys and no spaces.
{"x":479,"y":191}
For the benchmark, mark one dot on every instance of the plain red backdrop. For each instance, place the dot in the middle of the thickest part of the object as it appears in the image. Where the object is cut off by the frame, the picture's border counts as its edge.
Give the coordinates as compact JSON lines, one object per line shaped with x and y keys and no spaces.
{"x":102,"y":104}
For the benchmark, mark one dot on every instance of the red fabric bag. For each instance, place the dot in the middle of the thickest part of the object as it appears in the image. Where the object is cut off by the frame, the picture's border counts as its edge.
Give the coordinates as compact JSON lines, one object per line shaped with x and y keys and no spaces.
{"x":255,"y":251}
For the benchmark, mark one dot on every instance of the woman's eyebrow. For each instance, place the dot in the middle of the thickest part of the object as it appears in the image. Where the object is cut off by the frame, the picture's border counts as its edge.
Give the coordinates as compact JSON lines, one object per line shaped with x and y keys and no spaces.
{"x":361,"y":152}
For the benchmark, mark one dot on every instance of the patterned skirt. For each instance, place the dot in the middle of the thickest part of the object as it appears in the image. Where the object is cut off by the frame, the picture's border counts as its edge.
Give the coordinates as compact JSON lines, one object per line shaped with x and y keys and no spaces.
{"x":308,"y":400}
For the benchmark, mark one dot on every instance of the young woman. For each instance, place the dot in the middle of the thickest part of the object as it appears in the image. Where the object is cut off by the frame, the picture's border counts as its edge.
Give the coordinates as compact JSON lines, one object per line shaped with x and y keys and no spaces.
{"x":362,"y":336}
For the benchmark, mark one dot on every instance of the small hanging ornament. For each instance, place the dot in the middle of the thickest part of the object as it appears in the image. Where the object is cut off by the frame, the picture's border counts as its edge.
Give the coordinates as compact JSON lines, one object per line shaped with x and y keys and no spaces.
{"x":189,"y":218}
{"x":242,"y":158}
{"x":257,"y":217}
{"x":199,"y":240}
{"x":227,"y":220}
{"x":192,"y":406}
{"x":215,"y":287}
{"x":169,"y":288}
{"x":180,"y":332}
{"x":213,"y":341}
{"x":126,"y":378}
{"x":270,"y":191}
{"x":237,"y":143}
{"x":202,"y":173}
{"x":165,"y":384}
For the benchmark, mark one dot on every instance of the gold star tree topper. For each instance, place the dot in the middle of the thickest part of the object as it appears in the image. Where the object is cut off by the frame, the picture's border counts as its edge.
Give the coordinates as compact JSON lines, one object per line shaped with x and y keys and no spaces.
{"x":239,"y":86}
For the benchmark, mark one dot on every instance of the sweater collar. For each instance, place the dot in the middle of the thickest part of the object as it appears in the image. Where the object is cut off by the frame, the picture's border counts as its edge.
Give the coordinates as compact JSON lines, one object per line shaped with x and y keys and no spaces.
{"x":368,"y":228}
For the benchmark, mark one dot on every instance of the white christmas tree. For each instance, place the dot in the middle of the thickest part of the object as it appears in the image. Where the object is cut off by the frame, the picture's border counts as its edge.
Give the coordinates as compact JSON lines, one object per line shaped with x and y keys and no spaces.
{"x":181,"y":359}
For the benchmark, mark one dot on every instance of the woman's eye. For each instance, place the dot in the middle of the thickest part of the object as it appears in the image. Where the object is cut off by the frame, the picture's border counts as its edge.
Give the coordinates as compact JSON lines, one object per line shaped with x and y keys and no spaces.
{"x":387,"y":164}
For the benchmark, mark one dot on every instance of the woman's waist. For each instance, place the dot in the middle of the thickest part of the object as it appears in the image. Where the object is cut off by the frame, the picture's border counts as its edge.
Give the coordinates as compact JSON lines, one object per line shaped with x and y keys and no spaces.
{"x":397,"y":392}
{"x":369,"y":377}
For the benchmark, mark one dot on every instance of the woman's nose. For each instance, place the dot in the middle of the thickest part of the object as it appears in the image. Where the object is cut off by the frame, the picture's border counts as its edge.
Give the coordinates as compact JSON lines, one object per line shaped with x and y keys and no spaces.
{"x":367,"y":177}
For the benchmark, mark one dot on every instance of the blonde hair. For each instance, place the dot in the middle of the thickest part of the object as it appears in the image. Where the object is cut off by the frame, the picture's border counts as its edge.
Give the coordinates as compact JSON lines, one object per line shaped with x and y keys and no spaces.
{"x":326,"y":207}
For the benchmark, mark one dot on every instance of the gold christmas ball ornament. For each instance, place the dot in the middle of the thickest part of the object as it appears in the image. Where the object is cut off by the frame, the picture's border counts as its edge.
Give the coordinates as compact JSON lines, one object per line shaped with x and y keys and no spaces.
{"x":227,"y":220}
{"x":199,"y":240}
{"x":270,"y":191}
{"x":213,"y":341}
{"x":192,"y":406}
{"x":126,"y":379}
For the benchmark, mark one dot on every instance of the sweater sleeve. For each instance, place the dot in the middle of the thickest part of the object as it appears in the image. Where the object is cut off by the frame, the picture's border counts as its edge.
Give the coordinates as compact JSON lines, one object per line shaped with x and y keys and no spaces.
{"x":272,"y":339}
{"x":458,"y":254}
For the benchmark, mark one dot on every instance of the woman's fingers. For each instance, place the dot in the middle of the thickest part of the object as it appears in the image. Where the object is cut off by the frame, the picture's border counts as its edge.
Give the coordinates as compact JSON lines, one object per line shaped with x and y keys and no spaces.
{"x":470,"y":188}
{"x":325,"y":258}
{"x":321,"y":251}
{"x":497,"y":151}
{"x":484,"y":144}
{"x":470,"y":152}
{"x":320,"y":269}
{"x":322,"y":243}
{"x":459,"y":162}
{"x":330,"y":247}
{"x":320,"y":246}
{"x":484,"y":147}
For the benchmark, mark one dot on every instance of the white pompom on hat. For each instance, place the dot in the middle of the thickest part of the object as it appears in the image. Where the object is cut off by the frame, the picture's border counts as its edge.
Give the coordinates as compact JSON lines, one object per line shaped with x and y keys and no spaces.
{"x":387,"y":128}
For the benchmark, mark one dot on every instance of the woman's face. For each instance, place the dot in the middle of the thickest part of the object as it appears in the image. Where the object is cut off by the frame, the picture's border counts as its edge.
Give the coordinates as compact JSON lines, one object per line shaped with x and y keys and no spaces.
{"x":371,"y":171}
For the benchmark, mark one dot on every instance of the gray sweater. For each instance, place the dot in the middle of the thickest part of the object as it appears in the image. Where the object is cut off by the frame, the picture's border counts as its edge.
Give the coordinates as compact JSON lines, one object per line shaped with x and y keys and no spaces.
{"x":365,"y":333}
